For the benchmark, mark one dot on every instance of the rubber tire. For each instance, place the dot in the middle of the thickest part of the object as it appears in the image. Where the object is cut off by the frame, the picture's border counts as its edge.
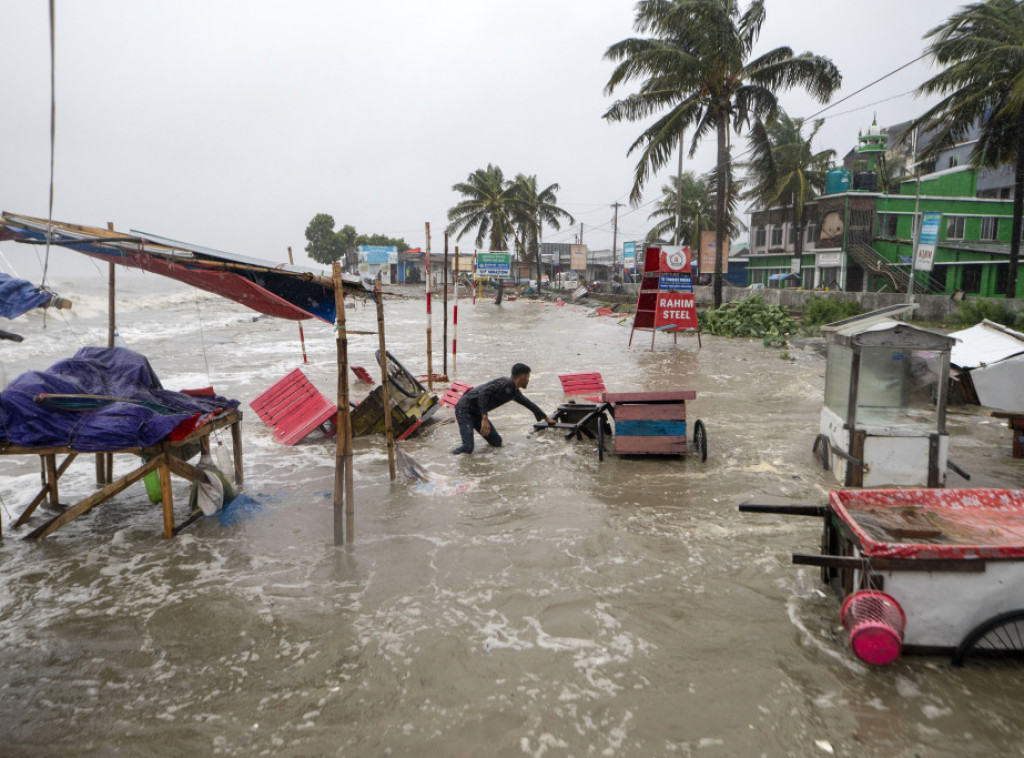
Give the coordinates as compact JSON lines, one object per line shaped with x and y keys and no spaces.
{"x":700,"y":440}
{"x":822,"y":451}
{"x":414,"y":382}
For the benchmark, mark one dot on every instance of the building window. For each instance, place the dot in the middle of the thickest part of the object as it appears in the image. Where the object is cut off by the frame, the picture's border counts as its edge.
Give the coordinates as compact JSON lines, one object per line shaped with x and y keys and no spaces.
{"x":777,"y":235}
{"x":1002,"y":274}
{"x":887,"y":224}
{"x":792,"y":234}
{"x":990,"y":228}
{"x":970,"y":279}
{"x":760,"y":239}
{"x":939,"y":274}
{"x":954,"y":227}
{"x":954,"y":161}
{"x":811,"y":230}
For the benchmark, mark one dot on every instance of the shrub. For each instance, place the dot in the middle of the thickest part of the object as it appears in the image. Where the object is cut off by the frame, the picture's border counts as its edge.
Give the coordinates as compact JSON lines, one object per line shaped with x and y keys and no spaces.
{"x":826,"y":310}
{"x":974,"y":310}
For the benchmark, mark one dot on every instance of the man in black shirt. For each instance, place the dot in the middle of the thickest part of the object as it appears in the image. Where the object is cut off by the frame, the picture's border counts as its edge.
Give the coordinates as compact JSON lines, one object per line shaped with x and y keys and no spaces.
{"x":472,"y":409}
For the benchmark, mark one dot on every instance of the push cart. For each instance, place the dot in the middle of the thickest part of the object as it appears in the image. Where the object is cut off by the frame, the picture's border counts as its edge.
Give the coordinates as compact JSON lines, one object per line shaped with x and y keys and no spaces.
{"x":925,"y":571}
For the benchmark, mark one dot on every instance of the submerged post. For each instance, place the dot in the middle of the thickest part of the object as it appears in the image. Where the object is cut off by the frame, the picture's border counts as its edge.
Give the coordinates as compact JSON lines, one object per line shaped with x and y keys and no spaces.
{"x":302,"y":337}
{"x":455,"y":311}
{"x":343,"y":475}
{"x":389,"y":432}
{"x":430,"y":352}
{"x":444,"y":332}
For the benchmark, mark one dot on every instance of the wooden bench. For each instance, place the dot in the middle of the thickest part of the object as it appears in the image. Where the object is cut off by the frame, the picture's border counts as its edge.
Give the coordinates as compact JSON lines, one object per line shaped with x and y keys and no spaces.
{"x":362,"y":374}
{"x":590,"y":385}
{"x":454,"y":393}
{"x":293,"y":407}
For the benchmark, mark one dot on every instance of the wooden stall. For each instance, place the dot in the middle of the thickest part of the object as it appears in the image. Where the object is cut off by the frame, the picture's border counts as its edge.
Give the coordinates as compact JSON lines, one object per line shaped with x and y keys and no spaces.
{"x":162,"y":457}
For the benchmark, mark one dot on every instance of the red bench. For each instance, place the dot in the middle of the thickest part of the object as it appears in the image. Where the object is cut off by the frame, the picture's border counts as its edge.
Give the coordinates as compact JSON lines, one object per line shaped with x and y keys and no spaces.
{"x":454,"y":393}
{"x":362,"y":374}
{"x":293,"y":408}
{"x":591,"y":385}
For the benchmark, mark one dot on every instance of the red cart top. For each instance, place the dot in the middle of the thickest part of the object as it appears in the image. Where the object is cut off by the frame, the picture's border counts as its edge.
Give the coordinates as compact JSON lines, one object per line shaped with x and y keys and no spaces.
{"x":934,"y":523}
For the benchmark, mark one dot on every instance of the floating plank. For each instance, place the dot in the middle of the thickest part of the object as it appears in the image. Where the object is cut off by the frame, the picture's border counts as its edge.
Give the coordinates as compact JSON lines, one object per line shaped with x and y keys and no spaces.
{"x":650,"y":445}
{"x":454,"y":394}
{"x":653,"y":411}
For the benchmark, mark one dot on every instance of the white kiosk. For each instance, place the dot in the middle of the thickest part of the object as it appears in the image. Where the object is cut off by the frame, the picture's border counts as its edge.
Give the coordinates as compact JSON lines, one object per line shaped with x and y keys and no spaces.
{"x":884,"y":419}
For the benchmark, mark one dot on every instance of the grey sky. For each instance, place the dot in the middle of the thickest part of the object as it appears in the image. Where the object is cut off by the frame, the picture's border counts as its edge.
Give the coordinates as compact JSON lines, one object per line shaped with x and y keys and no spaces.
{"x":230,"y":124}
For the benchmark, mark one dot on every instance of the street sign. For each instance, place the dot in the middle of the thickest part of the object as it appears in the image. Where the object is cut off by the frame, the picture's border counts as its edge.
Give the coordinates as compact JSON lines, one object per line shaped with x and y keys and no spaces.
{"x":493,"y":264}
{"x":926,"y":241}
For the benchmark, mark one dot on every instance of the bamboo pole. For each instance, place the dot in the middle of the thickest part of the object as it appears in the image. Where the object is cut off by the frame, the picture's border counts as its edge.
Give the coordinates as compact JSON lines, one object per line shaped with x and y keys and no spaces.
{"x":455,"y":313}
{"x":430,"y":352}
{"x":389,"y":432}
{"x":344,"y":489}
{"x":302,"y":337}
{"x":444,"y":332}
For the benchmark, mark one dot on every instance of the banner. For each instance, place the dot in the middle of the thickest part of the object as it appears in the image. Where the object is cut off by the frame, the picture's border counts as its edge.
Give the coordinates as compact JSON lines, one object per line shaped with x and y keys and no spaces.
{"x":926,"y":241}
{"x":675,"y":259}
{"x":675,"y":311}
{"x":578,"y":257}
{"x":706,"y":252}
{"x":629,"y":257}
{"x":379,"y":255}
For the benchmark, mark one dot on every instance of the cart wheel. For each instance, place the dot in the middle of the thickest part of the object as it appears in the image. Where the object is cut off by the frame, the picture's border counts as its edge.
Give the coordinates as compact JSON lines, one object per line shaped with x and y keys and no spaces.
{"x":1001,"y":637}
{"x":822,"y":451}
{"x":401,"y":379}
{"x":700,"y":440}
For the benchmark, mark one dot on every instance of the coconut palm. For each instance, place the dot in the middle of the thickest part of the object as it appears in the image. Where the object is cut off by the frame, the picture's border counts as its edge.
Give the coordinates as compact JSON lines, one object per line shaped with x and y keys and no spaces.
{"x":694,"y":72}
{"x":531,"y":210}
{"x":487,"y":206}
{"x":983,"y":82}
{"x":690,"y":194}
{"x":784,"y":169}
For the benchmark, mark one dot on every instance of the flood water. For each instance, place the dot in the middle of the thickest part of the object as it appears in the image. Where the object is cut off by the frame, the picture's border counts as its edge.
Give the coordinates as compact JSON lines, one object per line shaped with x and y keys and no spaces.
{"x":563,"y":606}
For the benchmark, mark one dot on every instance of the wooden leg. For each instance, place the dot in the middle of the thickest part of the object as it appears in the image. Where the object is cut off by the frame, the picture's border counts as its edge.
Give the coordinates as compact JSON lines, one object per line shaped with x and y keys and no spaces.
{"x":168,"y":496}
{"x":45,"y":488}
{"x":50,"y":477}
{"x":236,"y":448}
{"x":101,"y":470}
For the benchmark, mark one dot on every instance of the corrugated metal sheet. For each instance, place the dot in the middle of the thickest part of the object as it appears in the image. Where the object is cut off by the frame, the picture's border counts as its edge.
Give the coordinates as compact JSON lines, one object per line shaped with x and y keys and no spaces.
{"x":984,"y":344}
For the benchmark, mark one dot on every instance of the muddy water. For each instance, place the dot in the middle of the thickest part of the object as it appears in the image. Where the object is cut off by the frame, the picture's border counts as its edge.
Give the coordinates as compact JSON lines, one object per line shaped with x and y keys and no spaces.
{"x":561,"y":607}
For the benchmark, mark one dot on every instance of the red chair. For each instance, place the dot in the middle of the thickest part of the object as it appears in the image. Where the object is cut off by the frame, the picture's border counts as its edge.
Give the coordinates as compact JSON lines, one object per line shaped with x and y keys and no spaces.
{"x":293,"y":408}
{"x":590,"y":385}
{"x":454,"y":393}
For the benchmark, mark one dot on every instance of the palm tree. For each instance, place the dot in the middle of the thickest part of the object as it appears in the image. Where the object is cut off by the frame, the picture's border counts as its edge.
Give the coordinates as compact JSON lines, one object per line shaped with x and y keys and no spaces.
{"x":692,"y":194}
{"x":695,"y":65}
{"x":487,"y":205}
{"x":784,"y":169}
{"x":981,"y":48}
{"x":533,"y":209}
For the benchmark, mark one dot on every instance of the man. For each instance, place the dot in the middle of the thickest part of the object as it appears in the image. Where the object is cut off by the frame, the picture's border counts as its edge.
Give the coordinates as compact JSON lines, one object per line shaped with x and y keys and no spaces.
{"x":472,"y":409}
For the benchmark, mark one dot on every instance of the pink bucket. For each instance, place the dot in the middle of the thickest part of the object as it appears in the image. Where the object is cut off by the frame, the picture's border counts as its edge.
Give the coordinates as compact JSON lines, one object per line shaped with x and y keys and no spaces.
{"x":875,"y":622}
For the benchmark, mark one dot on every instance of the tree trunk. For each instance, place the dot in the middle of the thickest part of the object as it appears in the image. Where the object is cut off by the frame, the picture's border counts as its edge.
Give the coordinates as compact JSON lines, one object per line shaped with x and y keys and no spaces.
{"x":1018,"y":208}
{"x":721,"y":204}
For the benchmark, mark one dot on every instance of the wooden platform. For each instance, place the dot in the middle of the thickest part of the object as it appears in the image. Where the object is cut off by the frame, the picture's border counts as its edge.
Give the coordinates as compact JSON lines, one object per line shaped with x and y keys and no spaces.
{"x":159,"y":457}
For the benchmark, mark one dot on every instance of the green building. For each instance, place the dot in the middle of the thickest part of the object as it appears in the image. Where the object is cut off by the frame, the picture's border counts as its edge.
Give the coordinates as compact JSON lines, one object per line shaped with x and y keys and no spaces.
{"x":858,"y":236}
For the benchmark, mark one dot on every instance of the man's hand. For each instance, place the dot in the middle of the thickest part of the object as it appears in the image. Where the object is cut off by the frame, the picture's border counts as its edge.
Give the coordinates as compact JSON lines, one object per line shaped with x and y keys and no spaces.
{"x":485,"y":426}
{"x":550,"y":421}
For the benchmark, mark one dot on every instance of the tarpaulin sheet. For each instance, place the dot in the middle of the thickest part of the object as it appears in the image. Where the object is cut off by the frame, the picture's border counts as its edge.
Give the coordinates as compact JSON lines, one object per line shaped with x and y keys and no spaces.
{"x":18,"y":296}
{"x":934,"y":523}
{"x":110,"y":399}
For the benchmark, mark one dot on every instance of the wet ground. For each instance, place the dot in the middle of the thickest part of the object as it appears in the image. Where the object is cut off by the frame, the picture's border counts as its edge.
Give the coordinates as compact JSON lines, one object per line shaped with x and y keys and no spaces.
{"x":561,"y":607}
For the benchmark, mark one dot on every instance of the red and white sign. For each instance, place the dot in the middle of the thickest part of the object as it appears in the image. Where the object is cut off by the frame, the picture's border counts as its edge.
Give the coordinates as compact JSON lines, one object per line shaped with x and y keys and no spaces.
{"x":675,"y":311}
{"x":675,"y":260}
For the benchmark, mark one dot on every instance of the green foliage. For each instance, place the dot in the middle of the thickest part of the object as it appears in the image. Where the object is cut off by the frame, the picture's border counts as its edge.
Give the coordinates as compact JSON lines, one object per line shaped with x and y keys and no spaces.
{"x":827,"y":310}
{"x":323,"y":244}
{"x":746,"y":318}
{"x":381,"y":239}
{"x":974,"y":310}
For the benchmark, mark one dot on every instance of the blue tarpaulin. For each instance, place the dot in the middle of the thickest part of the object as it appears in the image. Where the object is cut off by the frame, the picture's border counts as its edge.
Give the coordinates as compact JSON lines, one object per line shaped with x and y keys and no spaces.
{"x":101,"y":399}
{"x":18,"y":296}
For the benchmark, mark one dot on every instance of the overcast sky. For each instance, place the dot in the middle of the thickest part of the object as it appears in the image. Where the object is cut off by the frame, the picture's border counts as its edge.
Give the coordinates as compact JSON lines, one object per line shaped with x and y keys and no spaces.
{"x":231,"y":124}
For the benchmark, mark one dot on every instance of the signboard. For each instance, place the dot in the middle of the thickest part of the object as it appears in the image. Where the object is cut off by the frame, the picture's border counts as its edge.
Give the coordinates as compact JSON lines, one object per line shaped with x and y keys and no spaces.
{"x":676,"y":282}
{"x":674,"y":259}
{"x":493,"y":264}
{"x":629,"y":256}
{"x":830,"y":260}
{"x":377,"y":255}
{"x":675,"y":311}
{"x":578,"y":257}
{"x":706,"y":251}
{"x":794,"y":265}
{"x":926,"y":241}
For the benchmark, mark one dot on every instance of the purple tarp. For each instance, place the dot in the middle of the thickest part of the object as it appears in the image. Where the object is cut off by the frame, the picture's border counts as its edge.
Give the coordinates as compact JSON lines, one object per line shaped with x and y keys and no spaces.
{"x":18,"y":296}
{"x":129,"y":407}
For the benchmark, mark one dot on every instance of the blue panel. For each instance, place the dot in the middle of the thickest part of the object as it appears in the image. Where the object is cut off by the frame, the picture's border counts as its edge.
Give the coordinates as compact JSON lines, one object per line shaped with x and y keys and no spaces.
{"x":647,"y":428}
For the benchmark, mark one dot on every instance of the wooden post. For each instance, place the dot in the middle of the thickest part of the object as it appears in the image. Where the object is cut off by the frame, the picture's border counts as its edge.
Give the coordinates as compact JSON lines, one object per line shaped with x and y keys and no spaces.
{"x":50,"y":477}
{"x":455,"y":313}
{"x":105,"y":461}
{"x":389,"y":432}
{"x":444,"y":332}
{"x":430,"y":352}
{"x":343,"y":474}
{"x":236,"y":449}
{"x":167,"y":495}
{"x":302,"y":337}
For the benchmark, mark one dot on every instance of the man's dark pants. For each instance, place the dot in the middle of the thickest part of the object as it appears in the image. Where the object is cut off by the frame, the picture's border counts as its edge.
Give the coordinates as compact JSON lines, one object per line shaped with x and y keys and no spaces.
{"x":469,"y":423}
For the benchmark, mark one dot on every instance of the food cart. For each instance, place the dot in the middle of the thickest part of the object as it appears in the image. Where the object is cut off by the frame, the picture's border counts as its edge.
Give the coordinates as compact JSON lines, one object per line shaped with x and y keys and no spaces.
{"x":884,"y":418}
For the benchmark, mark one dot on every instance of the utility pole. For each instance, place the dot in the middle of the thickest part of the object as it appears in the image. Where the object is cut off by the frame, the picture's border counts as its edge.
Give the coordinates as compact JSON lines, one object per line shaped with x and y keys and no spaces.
{"x":615,"y":234}
{"x":679,"y":194}
{"x":581,"y":233}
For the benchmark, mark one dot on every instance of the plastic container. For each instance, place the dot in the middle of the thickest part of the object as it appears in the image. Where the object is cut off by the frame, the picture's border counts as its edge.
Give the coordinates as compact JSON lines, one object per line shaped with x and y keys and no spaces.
{"x":875,"y":622}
